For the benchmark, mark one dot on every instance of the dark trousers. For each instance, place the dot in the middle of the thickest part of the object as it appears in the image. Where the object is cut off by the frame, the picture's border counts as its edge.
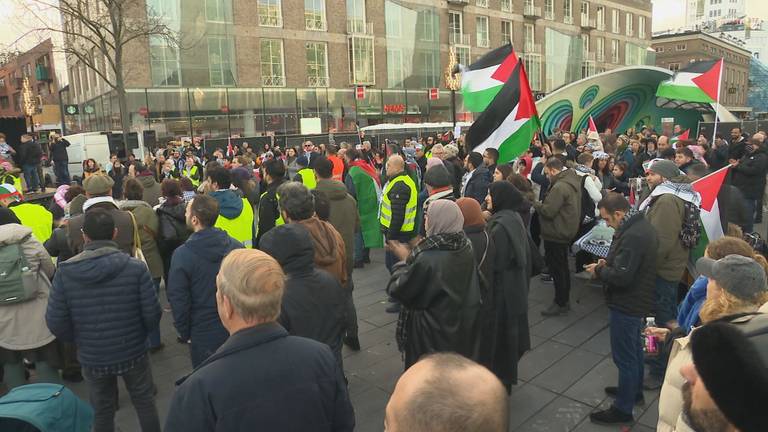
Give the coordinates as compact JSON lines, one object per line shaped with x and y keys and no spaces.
{"x":31,"y":176}
{"x":627,"y":352}
{"x":351,"y":312}
{"x":750,"y":206}
{"x":103,"y":397}
{"x":154,"y":335}
{"x":556,"y":256}
{"x":362,"y":253}
{"x":61,"y":171}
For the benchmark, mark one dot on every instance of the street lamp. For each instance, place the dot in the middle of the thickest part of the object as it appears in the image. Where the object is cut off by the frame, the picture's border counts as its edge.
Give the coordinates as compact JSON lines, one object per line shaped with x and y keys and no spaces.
{"x":28,"y":102}
{"x":452,"y":81}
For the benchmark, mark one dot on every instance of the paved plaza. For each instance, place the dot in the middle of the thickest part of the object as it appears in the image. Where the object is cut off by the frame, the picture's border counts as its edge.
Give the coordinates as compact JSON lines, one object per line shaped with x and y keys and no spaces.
{"x":562,"y":378}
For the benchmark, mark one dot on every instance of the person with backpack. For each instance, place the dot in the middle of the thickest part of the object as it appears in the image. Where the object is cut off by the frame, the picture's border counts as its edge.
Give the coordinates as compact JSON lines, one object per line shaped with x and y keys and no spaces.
{"x":24,"y":292}
{"x":173,"y":225}
{"x":590,"y":195}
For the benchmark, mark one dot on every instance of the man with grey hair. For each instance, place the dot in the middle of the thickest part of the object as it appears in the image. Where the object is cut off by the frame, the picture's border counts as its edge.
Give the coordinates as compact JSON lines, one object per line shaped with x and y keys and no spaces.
{"x":446,"y":392}
{"x":297,"y":205}
{"x":261,"y":378}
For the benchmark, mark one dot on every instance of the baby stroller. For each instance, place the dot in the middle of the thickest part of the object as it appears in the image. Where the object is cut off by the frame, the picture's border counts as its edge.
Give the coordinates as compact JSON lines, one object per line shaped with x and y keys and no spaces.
{"x":44,"y":408}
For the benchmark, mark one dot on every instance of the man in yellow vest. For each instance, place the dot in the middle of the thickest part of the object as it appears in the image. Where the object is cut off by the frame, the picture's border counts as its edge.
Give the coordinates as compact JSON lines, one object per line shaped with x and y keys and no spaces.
{"x":33,"y":216}
{"x":192,"y":171}
{"x":235,"y":213}
{"x":269,"y":212}
{"x":305,"y":175}
{"x":397,"y":211}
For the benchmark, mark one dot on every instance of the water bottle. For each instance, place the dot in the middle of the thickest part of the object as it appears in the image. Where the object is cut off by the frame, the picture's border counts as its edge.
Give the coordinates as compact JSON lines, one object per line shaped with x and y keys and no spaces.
{"x":651,"y":342}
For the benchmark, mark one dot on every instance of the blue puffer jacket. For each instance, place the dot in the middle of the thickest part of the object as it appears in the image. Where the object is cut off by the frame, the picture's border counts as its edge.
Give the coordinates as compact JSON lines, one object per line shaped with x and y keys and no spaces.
{"x":105,"y":302}
{"x":192,"y":285}
{"x":688,"y":311}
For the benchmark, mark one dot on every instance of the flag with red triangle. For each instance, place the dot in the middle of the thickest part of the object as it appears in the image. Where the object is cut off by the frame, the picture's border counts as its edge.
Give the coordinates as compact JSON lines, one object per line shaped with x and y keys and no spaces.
{"x":682,"y":136}
{"x":510,"y":122}
{"x":709,"y":188}
{"x":695,"y":87}
{"x":482,"y":80}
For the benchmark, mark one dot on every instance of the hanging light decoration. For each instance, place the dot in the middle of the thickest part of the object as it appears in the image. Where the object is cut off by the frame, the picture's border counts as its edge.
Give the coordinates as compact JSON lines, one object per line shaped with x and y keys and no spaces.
{"x":28,"y":99}
{"x":452,"y":80}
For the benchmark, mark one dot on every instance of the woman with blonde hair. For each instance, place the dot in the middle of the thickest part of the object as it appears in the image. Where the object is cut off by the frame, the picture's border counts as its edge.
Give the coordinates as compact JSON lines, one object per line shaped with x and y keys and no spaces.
{"x":732,"y":295}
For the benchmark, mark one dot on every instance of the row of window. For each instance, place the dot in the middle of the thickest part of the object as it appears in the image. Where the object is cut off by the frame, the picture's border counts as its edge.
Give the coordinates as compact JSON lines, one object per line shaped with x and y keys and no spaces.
{"x":728,"y":55}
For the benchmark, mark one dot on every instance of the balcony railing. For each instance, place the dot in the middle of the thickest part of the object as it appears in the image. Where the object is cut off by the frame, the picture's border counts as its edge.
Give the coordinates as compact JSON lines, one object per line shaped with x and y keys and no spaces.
{"x":589,"y":56}
{"x":506,"y":5}
{"x":532,"y":48}
{"x":358,"y":27}
{"x":459,"y":39}
{"x":568,"y":19}
{"x":315,"y":24}
{"x":483,"y":42}
{"x":318,"y":81}
{"x":481,"y":3}
{"x":531,"y":11}
{"x":549,"y":14}
{"x":270,"y":21}
{"x":587,"y":22}
{"x":458,"y":2}
{"x":273,"y":81}
{"x":600,"y":57}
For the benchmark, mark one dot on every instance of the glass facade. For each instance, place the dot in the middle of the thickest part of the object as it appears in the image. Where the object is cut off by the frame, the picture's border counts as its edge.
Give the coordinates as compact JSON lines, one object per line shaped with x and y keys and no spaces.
{"x":563,"y":59}
{"x":413,"y":48}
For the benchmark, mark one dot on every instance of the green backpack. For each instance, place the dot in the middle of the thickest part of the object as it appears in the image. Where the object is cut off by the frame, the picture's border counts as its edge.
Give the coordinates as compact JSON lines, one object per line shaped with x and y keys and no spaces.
{"x":17,"y":281}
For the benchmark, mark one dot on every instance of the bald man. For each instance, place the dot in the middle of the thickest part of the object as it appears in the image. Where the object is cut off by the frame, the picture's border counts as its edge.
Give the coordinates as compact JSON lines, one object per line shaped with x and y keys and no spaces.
{"x":397,"y":211}
{"x":446,"y":392}
{"x":663,"y":143}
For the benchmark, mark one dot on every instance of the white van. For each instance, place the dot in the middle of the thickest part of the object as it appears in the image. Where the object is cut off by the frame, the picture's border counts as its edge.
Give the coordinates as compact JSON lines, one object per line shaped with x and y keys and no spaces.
{"x":92,"y":145}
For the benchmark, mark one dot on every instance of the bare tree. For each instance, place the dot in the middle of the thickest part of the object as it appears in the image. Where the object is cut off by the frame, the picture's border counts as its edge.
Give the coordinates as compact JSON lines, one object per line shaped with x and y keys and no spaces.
{"x":98,"y":34}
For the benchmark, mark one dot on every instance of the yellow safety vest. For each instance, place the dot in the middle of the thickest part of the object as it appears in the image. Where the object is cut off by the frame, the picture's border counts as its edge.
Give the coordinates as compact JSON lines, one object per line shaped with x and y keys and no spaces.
{"x":308,"y":178}
{"x":37,"y":218}
{"x":385,"y":211}
{"x":189,"y":173}
{"x":279,"y":221}
{"x":241,"y":227}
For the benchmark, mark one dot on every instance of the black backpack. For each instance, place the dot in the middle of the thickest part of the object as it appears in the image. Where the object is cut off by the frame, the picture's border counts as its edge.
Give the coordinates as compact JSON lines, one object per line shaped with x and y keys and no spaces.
{"x":587,"y":205}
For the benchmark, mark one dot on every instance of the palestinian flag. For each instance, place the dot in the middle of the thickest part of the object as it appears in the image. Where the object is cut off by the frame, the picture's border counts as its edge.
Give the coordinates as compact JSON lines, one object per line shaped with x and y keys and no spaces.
{"x":482,"y":80}
{"x":709,"y":188}
{"x":676,"y":138}
{"x":695,"y":87}
{"x":510,"y":122}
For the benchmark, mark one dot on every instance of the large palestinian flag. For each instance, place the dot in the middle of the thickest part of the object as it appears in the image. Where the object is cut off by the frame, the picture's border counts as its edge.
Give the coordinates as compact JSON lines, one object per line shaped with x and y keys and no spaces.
{"x":709,"y":188}
{"x":510,"y":121}
{"x":682,"y":136}
{"x":483,"y":79}
{"x":695,"y":87}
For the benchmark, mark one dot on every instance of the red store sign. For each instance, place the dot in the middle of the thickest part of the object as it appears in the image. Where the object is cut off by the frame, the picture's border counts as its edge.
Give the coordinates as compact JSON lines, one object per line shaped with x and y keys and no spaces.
{"x":394,"y":108}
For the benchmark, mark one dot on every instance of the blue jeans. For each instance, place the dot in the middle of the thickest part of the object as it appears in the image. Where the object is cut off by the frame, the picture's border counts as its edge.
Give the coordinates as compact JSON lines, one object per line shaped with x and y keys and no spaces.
{"x":31,"y":177}
{"x":627,"y":351}
{"x":61,"y":171}
{"x":750,"y":205}
{"x":154,"y":335}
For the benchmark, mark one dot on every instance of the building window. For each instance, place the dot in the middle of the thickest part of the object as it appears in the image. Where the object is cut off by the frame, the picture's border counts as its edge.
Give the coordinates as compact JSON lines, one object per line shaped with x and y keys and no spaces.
{"x":317,"y":64}
{"x":549,"y":9}
{"x":361,"y":60}
{"x":270,"y":13}
{"x":600,"y":18}
{"x":615,"y":21}
{"x":395,"y":69}
{"x":674,"y":67}
{"x":630,"y":24}
{"x":221,"y":61}
{"x":314,"y":15}
{"x":600,"y":49}
{"x":506,"y":32}
{"x":641,"y":27}
{"x":272,"y":71}
{"x":614,"y":50}
{"x":585,"y":45}
{"x":660,"y":49}
{"x":529,"y":38}
{"x":584,"y":11}
{"x":482,"y":3}
{"x":428,"y":31}
{"x":456,"y":28}
{"x":533,"y":70}
{"x":215,"y":10}
{"x":681,"y":47}
{"x":164,"y":63}
{"x":463,"y":55}
{"x":356,"y":16}
{"x":431,"y":66}
{"x":506,"y":5}
{"x":481,"y":26}
{"x":17,"y":101}
{"x":4,"y":102}
{"x":568,"y":11}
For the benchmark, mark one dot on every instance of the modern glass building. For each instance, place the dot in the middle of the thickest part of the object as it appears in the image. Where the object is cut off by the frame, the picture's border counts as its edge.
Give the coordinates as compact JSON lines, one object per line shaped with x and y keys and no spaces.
{"x":253,"y":67}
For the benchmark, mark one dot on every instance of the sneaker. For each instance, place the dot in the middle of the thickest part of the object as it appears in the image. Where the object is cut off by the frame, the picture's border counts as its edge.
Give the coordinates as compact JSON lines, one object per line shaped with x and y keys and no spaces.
{"x":545,"y":277}
{"x":584,"y":275}
{"x":613,"y":391}
{"x":611,"y":416}
{"x":555,"y":310}
{"x":352,"y":342}
{"x":652,"y":383}
{"x":393,"y":308}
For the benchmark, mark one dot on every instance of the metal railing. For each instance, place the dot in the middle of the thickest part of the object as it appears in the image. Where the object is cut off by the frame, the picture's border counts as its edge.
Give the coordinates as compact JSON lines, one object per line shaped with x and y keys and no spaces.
{"x":459,"y":39}
{"x":600,"y":56}
{"x":359,"y":27}
{"x":506,"y":5}
{"x":483,"y":42}
{"x":532,"y":48}
{"x":587,"y":22}
{"x":589,"y":56}
{"x":273,"y":81}
{"x":568,"y":19}
{"x":315,"y":24}
{"x":270,"y":21}
{"x":531,"y":11}
{"x":318,"y":81}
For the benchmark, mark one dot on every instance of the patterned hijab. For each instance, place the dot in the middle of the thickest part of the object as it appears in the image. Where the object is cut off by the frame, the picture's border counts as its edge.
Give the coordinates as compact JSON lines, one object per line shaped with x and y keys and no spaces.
{"x":444,"y":217}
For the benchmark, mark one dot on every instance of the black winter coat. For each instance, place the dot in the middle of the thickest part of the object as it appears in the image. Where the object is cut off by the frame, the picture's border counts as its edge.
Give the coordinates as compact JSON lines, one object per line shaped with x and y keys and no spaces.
{"x":105,"y":302}
{"x":485,"y":257}
{"x":629,"y":275}
{"x":58,"y":246}
{"x":30,"y":153}
{"x":477,"y":186}
{"x":440,"y":289}
{"x":398,"y":196}
{"x":59,"y":151}
{"x":263,"y":379}
{"x":313,"y":300}
{"x":749,"y":174}
{"x":268,"y":210}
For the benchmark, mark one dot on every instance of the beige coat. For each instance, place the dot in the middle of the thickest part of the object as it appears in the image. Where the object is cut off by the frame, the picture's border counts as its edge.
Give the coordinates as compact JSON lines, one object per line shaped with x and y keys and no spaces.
{"x":671,"y":397}
{"x":22,"y":325}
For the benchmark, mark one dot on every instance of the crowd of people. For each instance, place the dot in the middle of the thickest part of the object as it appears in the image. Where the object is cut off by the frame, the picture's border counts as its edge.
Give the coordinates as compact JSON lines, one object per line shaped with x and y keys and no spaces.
{"x":256,"y":249}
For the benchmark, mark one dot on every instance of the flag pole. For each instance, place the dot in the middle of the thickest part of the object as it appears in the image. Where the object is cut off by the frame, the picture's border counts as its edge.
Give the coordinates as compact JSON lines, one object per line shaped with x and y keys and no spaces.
{"x":717,"y":101}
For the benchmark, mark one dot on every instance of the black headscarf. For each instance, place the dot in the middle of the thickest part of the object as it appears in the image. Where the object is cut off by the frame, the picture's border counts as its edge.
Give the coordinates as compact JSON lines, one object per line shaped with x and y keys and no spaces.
{"x":505,"y":196}
{"x":7,"y":216}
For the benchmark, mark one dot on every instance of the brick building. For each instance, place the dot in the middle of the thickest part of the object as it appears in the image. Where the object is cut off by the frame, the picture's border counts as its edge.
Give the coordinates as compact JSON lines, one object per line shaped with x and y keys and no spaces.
{"x":37,"y":66}
{"x":254,"y":66}
{"x":675,"y":51}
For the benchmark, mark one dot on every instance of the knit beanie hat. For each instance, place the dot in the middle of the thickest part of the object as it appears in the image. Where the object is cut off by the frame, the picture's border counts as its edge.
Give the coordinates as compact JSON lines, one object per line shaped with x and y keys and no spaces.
{"x":665,"y":168}
{"x":734,"y":373}
{"x":437,"y":177}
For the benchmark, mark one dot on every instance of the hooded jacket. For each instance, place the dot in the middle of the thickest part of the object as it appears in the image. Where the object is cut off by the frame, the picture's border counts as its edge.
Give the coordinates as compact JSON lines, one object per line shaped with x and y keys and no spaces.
{"x":105,"y":302}
{"x":152,"y":193}
{"x":230,"y":205}
{"x":560,"y":211}
{"x":749,"y":174}
{"x":313,"y":300}
{"x":148,"y":226}
{"x":344,"y":215}
{"x":666,"y":213}
{"x":191,"y":285}
{"x":22,"y":325}
{"x":330,"y":254}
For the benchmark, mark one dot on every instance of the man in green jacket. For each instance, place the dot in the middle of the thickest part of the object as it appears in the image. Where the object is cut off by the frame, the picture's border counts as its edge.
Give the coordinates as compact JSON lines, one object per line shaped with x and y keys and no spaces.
{"x":559,"y":215}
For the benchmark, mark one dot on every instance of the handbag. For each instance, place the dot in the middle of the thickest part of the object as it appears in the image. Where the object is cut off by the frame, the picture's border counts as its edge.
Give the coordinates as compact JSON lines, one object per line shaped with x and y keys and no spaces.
{"x":537,"y":261}
{"x":137,"y":253}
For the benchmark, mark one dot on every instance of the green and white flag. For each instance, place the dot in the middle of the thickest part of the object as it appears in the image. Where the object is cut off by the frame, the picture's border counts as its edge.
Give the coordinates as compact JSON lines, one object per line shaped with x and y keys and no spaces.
{"x":695,"y":87}
{"x":483,"y":79}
